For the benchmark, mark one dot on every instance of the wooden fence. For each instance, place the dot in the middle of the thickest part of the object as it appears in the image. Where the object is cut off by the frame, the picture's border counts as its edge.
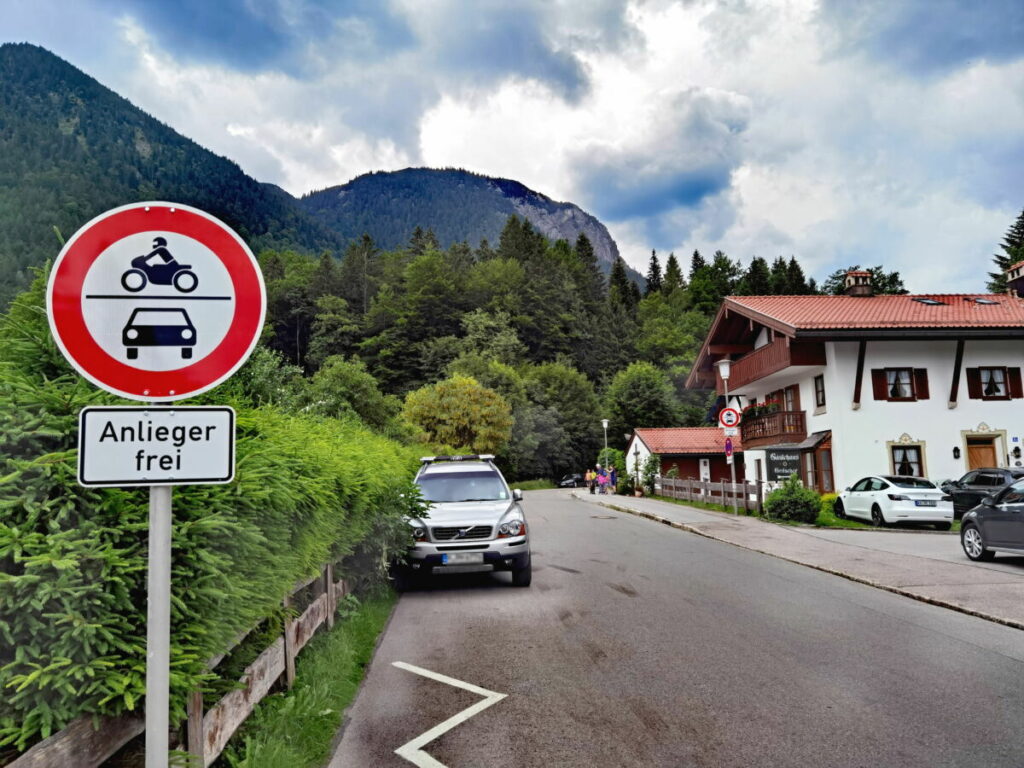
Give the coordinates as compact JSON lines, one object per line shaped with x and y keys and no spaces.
{"x":748,"y":496}
{"x":81,"y":745}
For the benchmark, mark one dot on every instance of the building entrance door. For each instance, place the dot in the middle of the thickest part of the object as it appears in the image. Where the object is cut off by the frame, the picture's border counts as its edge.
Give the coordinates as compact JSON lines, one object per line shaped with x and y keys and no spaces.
{"x":981,"y":452}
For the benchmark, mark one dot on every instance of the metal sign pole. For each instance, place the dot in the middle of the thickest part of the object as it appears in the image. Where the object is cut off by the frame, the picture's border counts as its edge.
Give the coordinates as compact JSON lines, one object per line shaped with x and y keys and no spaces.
{"x":158,"y":626}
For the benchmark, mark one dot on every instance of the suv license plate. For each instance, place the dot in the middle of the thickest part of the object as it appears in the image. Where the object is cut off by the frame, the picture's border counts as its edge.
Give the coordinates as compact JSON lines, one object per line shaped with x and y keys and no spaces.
{"x":925,"y":503}
{"x":462,"y":558}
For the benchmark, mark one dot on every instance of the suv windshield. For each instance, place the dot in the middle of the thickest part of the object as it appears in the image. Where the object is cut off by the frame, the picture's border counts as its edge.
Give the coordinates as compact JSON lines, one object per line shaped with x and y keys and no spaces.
{"x":910,"y":482}
{"x":462,"y":486}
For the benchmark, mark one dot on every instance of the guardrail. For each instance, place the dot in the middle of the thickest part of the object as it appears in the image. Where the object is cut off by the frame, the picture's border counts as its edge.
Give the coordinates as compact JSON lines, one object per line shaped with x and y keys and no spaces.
{"x":749,"y":496}
{"x":83,"y":745}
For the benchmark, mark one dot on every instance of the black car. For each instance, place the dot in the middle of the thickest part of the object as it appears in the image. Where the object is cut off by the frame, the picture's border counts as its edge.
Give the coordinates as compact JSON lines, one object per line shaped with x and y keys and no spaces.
{"x":969,"y":490}
{"x":571,"y":481}
{"x":995,"y":525}
{"x":158,"y":327}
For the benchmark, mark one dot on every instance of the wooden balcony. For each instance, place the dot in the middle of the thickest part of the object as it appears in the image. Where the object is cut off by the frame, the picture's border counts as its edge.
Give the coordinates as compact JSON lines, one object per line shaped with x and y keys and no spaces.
{"x":772,"y":428}
{"x":771,"y":358}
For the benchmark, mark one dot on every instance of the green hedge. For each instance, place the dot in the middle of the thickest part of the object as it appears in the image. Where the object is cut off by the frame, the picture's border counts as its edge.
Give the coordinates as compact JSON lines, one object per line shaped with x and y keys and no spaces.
{"x":73,"y":560}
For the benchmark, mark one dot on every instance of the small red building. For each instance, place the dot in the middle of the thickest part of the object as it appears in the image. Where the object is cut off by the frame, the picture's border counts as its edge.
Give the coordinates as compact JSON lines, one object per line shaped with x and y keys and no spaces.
{"x":697,"y":452}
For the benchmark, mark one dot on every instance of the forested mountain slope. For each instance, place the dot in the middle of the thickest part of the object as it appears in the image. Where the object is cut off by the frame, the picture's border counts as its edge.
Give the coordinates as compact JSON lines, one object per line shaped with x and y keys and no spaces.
{"x":71,"y":148}
{"x":458,"y":205}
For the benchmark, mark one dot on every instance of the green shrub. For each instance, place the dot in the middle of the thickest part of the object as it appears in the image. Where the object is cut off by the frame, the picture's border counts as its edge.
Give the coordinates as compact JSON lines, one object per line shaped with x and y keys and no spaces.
{"x":828,"y":502}
{"x":793,"y":502}
{"x":308,"y":490}
{"x":649,"y":471}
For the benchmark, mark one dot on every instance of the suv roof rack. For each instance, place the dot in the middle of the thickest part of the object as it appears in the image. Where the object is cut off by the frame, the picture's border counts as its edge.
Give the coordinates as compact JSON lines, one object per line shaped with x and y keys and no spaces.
{"x":466,"y":457}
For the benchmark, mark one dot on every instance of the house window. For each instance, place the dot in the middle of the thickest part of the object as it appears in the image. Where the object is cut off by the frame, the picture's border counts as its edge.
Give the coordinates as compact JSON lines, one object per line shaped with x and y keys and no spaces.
{"x":899,"y":383}
{"x":906,"y":460}
{"x":993,"y":384}
{"x":819,"y":391}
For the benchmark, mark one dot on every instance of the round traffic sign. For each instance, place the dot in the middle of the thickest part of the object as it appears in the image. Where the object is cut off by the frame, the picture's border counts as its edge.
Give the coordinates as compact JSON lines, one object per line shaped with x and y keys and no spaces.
{"x":728,"y":417}
{"x":156,"y":301}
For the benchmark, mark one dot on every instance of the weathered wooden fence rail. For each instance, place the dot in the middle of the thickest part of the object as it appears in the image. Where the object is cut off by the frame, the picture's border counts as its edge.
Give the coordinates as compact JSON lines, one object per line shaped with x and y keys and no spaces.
{"x":748,"y":496}
{"x":83,"y":745}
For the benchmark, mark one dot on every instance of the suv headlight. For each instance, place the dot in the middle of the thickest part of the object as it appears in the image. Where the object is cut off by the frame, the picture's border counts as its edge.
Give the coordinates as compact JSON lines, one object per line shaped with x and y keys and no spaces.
{"x":515,"y":526}
{"x":419,"y":532}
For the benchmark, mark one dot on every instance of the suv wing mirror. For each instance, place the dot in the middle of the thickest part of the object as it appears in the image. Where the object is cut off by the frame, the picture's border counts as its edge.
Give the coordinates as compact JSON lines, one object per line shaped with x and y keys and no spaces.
{"x":517,"y":495}
{"x":988,"y":501}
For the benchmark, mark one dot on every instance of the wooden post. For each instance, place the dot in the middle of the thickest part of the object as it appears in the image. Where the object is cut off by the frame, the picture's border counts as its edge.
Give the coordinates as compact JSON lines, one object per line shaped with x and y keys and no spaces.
{"x":760,"y":499}
{"x":289,"y":645}
{"x":724,"y":504}
{"x":332,"y":602}
{"x":746,"y":498}
{"x":196,"y":740}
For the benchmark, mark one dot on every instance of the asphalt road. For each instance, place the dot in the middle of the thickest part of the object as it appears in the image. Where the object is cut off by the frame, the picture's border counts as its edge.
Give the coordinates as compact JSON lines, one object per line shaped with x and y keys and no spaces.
{"x":640,"y":645}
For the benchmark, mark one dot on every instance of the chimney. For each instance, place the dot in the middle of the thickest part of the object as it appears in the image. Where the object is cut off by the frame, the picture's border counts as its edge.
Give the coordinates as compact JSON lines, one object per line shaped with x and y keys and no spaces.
{"x":1015,"y":279}
{"x":858,"y":283}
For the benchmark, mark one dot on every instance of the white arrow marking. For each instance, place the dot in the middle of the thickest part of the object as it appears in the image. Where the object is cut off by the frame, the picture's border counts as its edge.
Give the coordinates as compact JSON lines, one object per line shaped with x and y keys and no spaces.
{"x":412,"y":751}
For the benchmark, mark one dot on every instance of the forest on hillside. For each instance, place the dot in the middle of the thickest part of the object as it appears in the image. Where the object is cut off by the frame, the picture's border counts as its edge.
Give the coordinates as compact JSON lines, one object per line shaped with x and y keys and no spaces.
{"x":520,"y":349}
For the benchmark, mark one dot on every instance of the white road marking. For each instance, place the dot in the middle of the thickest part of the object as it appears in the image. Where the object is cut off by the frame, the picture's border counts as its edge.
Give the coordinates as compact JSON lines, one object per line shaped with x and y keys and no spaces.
{"x":412,"y":751}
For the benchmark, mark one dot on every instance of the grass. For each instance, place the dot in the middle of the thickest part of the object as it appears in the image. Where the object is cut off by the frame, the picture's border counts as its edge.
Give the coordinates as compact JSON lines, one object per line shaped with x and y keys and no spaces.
{"x":534,"y":485}
{"x":296,"y":729}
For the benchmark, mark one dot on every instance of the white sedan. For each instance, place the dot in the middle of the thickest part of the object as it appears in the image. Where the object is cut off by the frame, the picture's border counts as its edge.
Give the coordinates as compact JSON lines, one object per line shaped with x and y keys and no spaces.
{"x":886,"y":499}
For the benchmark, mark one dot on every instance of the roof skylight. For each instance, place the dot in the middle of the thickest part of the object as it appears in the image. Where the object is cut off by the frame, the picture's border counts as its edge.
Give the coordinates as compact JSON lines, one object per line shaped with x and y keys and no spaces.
{"x":930,"y":302}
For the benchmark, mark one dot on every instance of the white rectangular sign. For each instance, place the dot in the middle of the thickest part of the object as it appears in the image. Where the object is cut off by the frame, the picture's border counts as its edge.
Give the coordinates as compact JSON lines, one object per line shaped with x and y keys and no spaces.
{"x":153,"y":445}
{"x":731,"y":431}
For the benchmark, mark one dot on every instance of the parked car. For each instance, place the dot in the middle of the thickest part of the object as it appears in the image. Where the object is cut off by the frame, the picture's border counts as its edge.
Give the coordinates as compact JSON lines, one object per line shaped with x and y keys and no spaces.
{"x":887,"y":499}
{"x":571,"y":481}
{"x":969,"y":490}
{"x":474,"y":522}
{"x":995,"y":525}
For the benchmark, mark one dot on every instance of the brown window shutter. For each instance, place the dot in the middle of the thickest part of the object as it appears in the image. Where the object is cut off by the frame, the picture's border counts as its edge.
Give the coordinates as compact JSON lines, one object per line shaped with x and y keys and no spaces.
{"x":1016,"y":389}
{"x":921,"y":383}
{"x":878,"y":386}
{"x":974,"y":383}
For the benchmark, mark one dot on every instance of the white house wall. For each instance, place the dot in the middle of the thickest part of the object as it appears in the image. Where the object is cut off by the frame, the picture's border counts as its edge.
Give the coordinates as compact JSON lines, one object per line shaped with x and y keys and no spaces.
{"x":860,"y":437}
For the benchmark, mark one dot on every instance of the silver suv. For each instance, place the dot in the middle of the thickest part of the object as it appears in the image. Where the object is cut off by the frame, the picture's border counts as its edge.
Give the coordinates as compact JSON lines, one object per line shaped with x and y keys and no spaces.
{"x":474,"y":522}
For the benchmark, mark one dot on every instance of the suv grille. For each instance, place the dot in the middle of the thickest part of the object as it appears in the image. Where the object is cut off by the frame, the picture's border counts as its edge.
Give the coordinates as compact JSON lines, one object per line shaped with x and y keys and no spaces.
{"x":452,"y":534}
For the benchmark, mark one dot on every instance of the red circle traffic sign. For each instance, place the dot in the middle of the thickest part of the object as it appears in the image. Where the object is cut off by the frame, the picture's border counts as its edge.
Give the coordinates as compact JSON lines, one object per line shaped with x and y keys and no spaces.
{"x":163,"y":325}
{"x":728,"y":417}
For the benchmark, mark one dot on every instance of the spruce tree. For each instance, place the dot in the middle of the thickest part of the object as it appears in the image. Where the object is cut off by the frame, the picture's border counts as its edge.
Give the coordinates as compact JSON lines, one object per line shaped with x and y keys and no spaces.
{"x":797,"y":282}
{"x":654,"y":281}
{"x":696,"y":262}
{"x":673,"y":279}
{"x":780,"y":277}
{"x":1013,"y":251}
{"x":589,"y":278}
{"x":619,"y":291}
{"x":757,"y":281}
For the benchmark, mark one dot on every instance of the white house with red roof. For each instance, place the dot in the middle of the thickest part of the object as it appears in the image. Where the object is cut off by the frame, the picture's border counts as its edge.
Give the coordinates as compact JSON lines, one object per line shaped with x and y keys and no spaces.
{"x":854,"y":385}
{"x":692,"y":452}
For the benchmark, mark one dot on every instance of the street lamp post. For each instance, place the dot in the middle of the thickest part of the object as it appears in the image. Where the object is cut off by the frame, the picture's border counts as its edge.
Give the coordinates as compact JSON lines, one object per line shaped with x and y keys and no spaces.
{"x":604,"y":423}
{"x":724,"y":366}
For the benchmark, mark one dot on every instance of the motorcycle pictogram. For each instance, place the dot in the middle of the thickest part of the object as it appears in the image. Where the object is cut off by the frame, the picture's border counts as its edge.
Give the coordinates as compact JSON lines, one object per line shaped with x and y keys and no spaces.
{"x":160,"y":268}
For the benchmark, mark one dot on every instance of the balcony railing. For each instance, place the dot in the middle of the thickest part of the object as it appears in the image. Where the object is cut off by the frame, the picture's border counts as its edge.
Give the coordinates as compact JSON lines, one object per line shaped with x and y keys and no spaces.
{"x":769,"y":428}
{"x":770,"y":359}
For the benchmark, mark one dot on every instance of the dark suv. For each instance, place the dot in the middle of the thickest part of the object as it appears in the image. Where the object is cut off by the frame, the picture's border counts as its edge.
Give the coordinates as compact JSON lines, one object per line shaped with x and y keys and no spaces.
{"x":995,"y":525}
{"x":969,"y":490}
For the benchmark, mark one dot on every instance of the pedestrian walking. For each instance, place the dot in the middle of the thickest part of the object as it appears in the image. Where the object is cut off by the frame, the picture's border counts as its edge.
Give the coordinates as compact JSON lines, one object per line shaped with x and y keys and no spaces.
{"x":591,"y":479}
{"x":613,"y":479}
{"x":602,"y":481}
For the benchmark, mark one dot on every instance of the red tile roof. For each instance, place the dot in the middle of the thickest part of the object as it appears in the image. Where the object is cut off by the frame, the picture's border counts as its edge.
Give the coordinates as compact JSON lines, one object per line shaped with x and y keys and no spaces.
{"x":681,"y":440}
{"x":852,"y":312}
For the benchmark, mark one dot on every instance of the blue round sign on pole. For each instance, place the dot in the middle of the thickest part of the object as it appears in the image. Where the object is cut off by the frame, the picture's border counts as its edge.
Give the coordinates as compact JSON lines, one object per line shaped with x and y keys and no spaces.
{"x":728,"y":446}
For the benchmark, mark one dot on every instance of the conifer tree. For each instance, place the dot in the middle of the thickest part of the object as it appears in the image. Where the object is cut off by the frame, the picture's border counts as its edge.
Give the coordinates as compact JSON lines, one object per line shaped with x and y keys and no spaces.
{"x":673,"y":279}
{"x":795,"y":279}
{"x":590,"y":279}
{"x":757,"y":281}
{"x":619,"y":291}
{"x":696,"y":262}
{"x":654,"y":281}
{"x":780,"y":277}
{"x":1013,"y":251}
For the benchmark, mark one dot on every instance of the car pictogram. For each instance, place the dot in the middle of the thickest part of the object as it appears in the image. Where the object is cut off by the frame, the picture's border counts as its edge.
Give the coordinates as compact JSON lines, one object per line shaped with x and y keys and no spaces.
{"x":157,"y":327}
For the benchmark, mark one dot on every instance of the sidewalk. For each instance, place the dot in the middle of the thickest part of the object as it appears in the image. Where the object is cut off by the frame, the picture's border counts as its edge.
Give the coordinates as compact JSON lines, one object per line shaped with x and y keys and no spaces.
{"x":996,"y":595}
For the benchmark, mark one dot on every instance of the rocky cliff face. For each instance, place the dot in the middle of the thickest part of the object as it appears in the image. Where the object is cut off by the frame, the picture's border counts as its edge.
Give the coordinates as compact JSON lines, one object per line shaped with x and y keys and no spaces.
{"x":456,"y":204}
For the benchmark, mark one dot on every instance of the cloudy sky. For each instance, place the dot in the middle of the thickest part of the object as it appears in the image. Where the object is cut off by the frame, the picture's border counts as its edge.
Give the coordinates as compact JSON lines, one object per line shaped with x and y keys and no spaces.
{"x":841,"y":132}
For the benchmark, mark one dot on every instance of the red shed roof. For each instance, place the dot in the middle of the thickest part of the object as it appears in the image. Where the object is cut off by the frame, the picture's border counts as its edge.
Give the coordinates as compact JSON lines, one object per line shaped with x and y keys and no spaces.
{"x":855,"y":312}
{"x":686,"y":440}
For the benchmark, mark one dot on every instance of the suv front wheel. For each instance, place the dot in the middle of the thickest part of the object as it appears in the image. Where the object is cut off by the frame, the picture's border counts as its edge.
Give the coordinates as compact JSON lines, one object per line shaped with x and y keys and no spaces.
{"x":523,"y":576}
